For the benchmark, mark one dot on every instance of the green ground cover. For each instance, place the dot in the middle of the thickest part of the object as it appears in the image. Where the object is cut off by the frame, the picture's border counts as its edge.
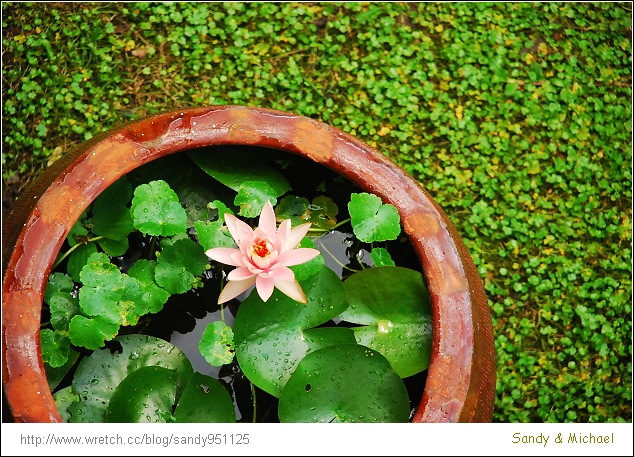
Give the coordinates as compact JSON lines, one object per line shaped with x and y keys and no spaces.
{"x":516,"y":117}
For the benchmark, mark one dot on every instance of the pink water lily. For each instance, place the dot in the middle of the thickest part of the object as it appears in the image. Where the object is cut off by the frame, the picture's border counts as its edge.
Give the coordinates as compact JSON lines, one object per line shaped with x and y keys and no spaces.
{"x":263,"y":257}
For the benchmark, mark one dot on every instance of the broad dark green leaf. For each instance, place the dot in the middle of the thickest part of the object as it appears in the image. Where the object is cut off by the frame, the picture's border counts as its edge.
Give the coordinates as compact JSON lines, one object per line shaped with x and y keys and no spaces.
{"x":344,"y":383}
{"x":393,"y":305}
{"x":63,"y":400}
{"x":205,"y":400}
{"x":252,"y":196}
{"x":179,"y":264}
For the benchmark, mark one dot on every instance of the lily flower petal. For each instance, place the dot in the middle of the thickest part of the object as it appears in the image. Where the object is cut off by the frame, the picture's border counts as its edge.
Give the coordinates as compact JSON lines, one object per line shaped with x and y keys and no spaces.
{"x":235,"y":288}
{"x":295,"y":236}
{"x":265,"y":287}
{"x":267,"y":219}
{"x":300,"y":255}
{"x":224,"y":255}
{"x":292,"y":289}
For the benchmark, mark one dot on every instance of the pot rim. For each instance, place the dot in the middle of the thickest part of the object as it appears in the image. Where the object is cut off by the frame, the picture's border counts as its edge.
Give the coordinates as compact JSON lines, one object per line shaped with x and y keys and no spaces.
{"x":462,"y":349}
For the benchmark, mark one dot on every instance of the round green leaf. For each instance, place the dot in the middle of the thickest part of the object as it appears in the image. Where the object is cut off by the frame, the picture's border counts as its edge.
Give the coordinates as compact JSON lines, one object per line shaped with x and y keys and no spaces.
{"x":58,"y":282}
{"x":91,"y":332}
{"x":98,"y":376}
{"x":63,"y":307}
{"x":205,"y":400}
{"x":178,"y":264}
{"x":393,"y":304}
{"x":271,"y":337}
{"x":233,"y":170}
{"x":213,"y":234}
{"x":216,"y":344}
{"x":153,"y":295}
{"x":371,"y":220}
{"x":345,"y":383}
{"x":321,"y":213}
{"x":307,"y":269}
{"x":382,"y":258}
{"x":78,"y":258}
{"x":252,"y":196}
{"x":114,"y":248}
{"x":156,"y":210}
{"x":55,"y":375}
{"x":55,"y":348}
{"x":145,"y":395}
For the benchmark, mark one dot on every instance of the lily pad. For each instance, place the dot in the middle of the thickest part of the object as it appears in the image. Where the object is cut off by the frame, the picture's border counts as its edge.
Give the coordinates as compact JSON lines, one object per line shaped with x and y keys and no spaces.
{"x":213,"y":234}
{"x":382,"y":258}
{"x":393,"y":305}
{"x":271,"y":338}
{"x":205,"y":400}
{"x":145,"y":395}
{"x":63,"y":400}
{"x":321,"y":213}
{"x":344,"y":383}
{"x":98,"y":376}
{"x":234,"y":169}
{"x":307,"y":269}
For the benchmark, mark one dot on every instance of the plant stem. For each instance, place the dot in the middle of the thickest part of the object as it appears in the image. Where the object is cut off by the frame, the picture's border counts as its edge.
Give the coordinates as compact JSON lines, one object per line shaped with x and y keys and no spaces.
{"x":254,"y":402}
{"x":324,"y":231}
{"x":67,"y":253}
{"x":337,"y":260}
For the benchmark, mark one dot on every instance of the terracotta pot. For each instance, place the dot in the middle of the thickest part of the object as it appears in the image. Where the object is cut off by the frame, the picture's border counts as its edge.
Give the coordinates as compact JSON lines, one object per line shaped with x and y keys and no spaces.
{"x":460,"y":385}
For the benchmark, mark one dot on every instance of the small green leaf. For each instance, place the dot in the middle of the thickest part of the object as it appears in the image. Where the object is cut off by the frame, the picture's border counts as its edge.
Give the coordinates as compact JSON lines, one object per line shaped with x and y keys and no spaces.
{"x":58,"y":282}
{"x":91,"y":332}
{"x":205,"y":400}
{"x":114,"y":248}
{"x":344,"y":383}
{"x":382,"y":258}
{"x":221,"y":208}
{"x":78,"y":258}
{"x":178,"y":264}
{"x":371,"y":220}
{"x":157,"y":211}
{"x":213,"y":234}
{"x":307,"y":269}
{"x":55,"y":348}
{"x":56,"y":375}
{"x":321,"y":213}
{"x":216,"y":345}
{"x":252,"y":196}
{"x":78,"y":232}
{"x":155,"y":296}
{"x":63,"y":307}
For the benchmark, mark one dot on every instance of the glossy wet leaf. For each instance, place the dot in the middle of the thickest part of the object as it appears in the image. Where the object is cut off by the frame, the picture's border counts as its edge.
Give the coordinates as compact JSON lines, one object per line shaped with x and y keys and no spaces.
{"x":55,"y":375}
{"x":381,"y":258}
{"x":153,"y":295}
{"x":91,"y":332}
{"x":98,"y":375}
{"x":252,"y":195}
{"x":372,"y":220}
{"x":146,"y":395}
{"x":78,"y":258}
{"x":213,"y":234}
{"x":393,"y":305}
{"x":179,"y":264}
{"x":157,"y":211}
{"x":270,"y":337}
{"x":216,"y":344}
{"x":344,"y":383}
{"x":321,"y":213}
{"x":64,"y":398}
{"x":233,"y":169}
{"x":77,"y":232}
{"x":58,"y":282}
{"x":63,"y":307}
{"x":109,"y":293}
{"x":205,"y":399}
{"x":307,"y":269}
{"x":55,"y":348}
{"x":220,"y":208}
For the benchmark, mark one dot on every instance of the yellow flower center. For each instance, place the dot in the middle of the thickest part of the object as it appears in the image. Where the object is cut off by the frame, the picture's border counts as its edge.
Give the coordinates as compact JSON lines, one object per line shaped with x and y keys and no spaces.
{"x":261,"y":249}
